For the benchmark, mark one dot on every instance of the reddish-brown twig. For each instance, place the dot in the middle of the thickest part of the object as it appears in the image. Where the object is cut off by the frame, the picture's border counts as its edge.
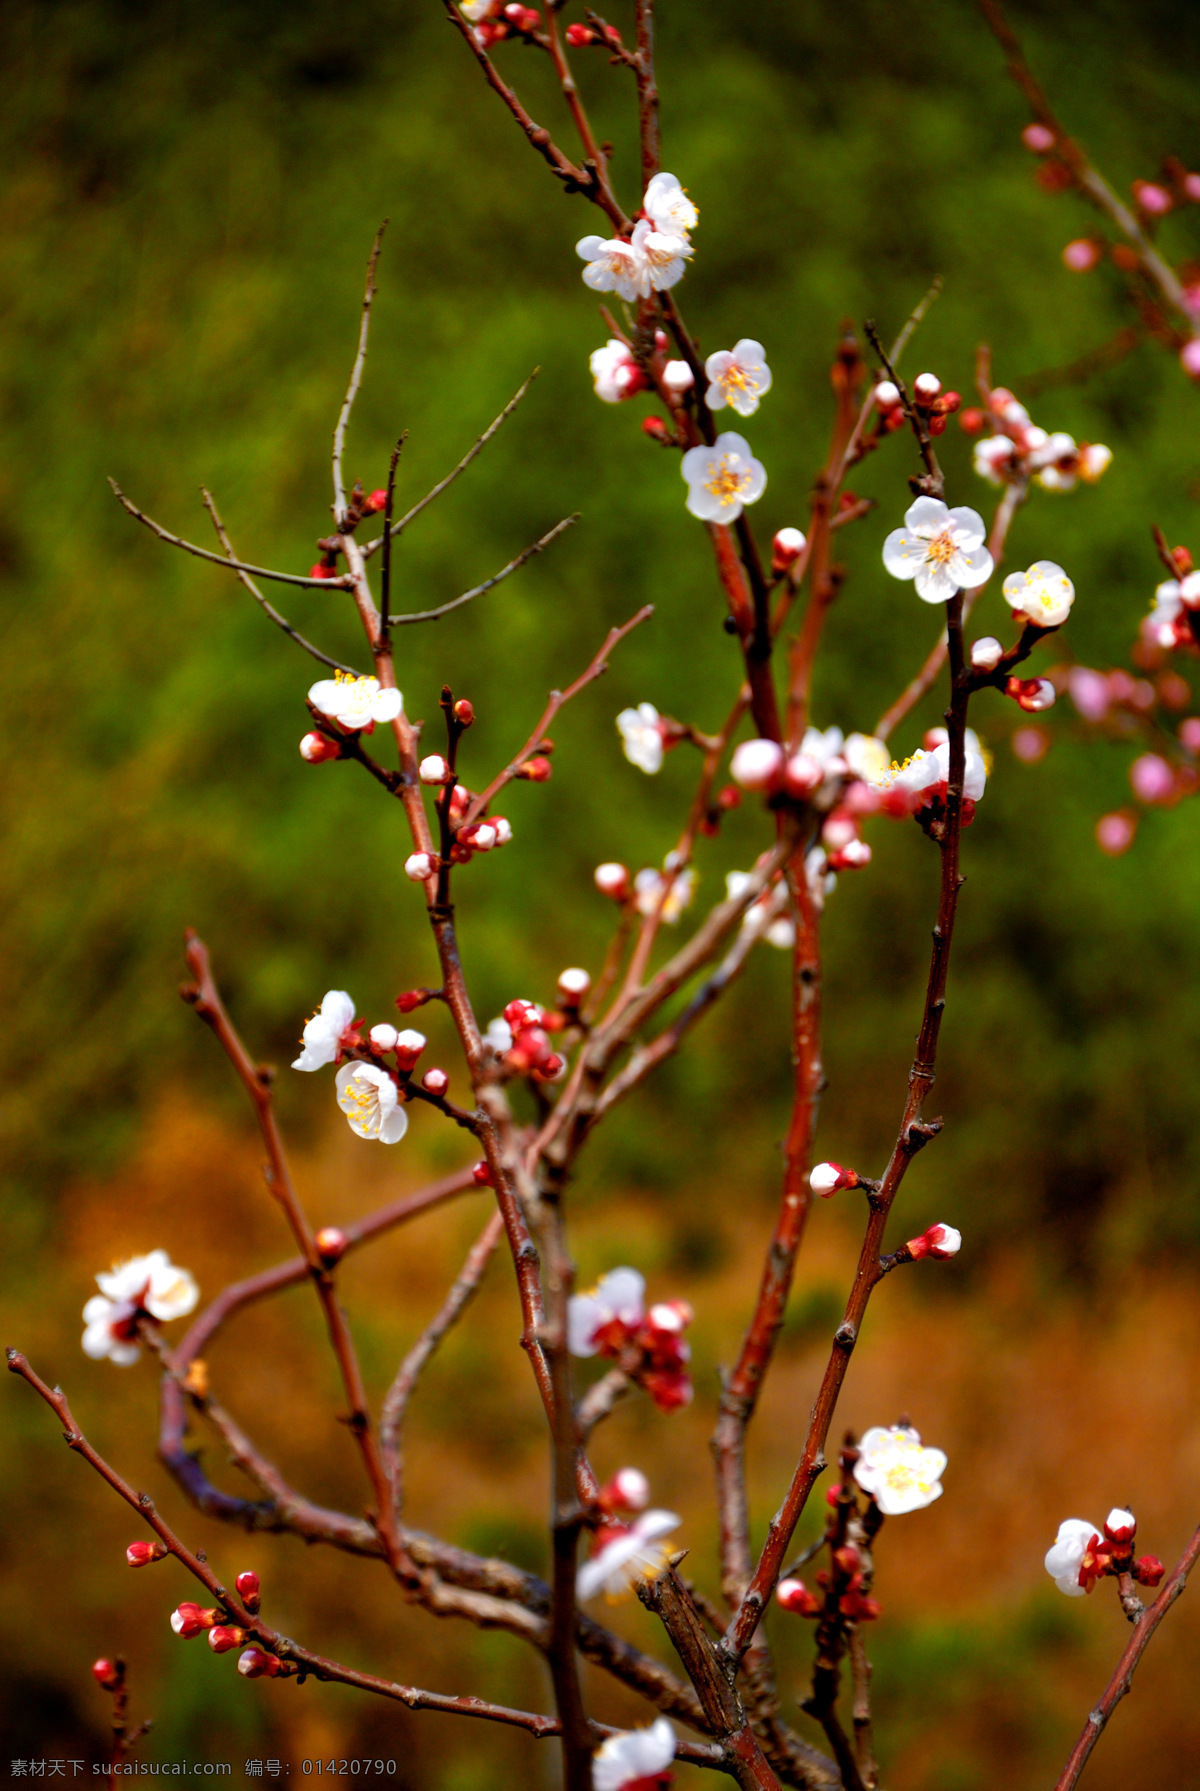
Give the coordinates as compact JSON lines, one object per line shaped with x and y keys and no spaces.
{"x":337,"y":583}
{"x":360,"y":359}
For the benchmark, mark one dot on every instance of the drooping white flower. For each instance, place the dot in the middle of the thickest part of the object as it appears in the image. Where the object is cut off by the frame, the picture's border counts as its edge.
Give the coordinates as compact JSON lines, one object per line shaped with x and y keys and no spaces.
{"x":641,"y":737}
{"x":1043,"y":595}
{"x":150,"y":1284}
{"x":940,"y":549}
{"x":615,"y":372}
{"x":322,"y":1035}
{"x":668,"y":206}
{"x":626,"y":1554}
{"x":722,"y":479}
{"x":1065,"y":1556}
{"x":620,"y":1295}
{"x":897,"y":1471}
{"x":648,"y":888}
{"x":355,"y":702}
{"x":369,"y":1098}
{"x":635,"y":1758}
{"x":737,"y":377}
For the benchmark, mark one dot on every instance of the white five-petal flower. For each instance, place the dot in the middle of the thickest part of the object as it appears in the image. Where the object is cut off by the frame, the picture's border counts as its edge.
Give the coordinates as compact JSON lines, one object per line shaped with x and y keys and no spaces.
{"x":926,"y":769}
{"x":635,"y":1756}
{"x":738,"y":377}
{"x":150,"y":1284}
{"x":897,"y":1471}
{"x":648,"y":889}
{"x":369,"y":1098}
{"x":355,"y":702}
{"x":940,"y":549}
{"x":668,"y":206}
{"x":641,"y":737}
{"x":722,"y":479}
{"x":1043,"y":595}
{"x":651,"y":261}
{"x":627,"y":1554}
{"x":615,"y":372}
{"x":322,"y":1034}
{"x":621,"y":1295}
{"x":1065,"y":1556}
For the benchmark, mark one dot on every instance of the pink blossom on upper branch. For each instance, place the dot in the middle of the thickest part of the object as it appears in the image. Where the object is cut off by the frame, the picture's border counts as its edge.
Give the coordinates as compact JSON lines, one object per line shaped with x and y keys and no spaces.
{"x":369,"y":1098}
{"x":1021,"y":450}
{"x":738,"y":377}
{"x":330,"y":1032}
{"x":940,"y":549}
{"x":355,"y":703}
{"x":615,"y":372}
{"x":1043,"y":595}
{"x":722,"y":479}
{"x":145,"y":1286}
{"x":642,"y":737}
{"x":625,"y":1554}
{"x":635,"y":1761}
{"x":897,"y":1471}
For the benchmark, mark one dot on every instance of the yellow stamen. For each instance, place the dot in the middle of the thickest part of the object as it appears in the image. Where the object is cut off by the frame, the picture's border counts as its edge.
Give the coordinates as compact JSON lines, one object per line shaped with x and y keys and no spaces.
{"x":726,"y":483}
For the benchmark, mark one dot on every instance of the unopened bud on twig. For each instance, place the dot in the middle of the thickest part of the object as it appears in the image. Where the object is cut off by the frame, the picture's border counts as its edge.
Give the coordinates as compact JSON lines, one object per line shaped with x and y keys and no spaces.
{"x":464,"y":712}
{"x":140,"y":1554}
{"x":657,"y":430}
{"x":1120,"y":1525}
{"x":188,"y":1620}
{"x":383,"y":1037}
{"x":482,"y":1175}
{"x":316,"y":748}
{"x":224,"y":1636}
{"x":331,"y":1242}
{"x":853,"y":856}
{"x":612,"y":880}
{"x":411,"y":1000}
{"x":573,"y":985}
{"x":419,"y":866}
{"x":786,"y":549}
{"x":109,"y":1674}
{"x":678,"y":378}
{"x":926,"y":387}
{"x":435,"y":1082}
{"x":940,"y":1242}
{"x":830,"y":1178}
{"x":535,"y":770}
{"x":375,"y":503}
{"x":1038,"y":137}
{"x":1147,"y":1570}
{"x":578,"y":35}
{"x":757,"y":764}
{"x":887,"y":397}
{"x":409,"y":1046}
{"x":986,"y":653}
{"x":794,"y":1595}
{"x":628,"y":1490}
{"x":434,"y":770}
{"x":1033,"y":694}
{"x":256,"y":1663}
{"x":249,"y":1590}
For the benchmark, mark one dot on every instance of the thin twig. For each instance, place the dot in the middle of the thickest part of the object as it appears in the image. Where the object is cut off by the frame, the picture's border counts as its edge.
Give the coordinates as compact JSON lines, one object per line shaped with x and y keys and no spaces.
{"x":342,"y":582}
{"x":385,"y":575}
{"x":339,"y":433}
{"x":432,"y":615}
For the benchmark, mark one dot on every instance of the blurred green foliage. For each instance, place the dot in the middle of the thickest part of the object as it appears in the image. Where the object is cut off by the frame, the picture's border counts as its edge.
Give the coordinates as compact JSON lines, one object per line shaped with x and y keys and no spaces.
{"x":191,"y":194}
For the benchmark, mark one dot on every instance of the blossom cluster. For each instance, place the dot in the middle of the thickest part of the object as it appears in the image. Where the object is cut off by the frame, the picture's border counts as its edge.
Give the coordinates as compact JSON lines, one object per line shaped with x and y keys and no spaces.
{"x":371,"y":1092}
{"x":1018,"y":449}
{"x":1081,"y":1554}
{"x":613,"y":1320}
{"x":144,"y":1287}
{"x":656,"y":252}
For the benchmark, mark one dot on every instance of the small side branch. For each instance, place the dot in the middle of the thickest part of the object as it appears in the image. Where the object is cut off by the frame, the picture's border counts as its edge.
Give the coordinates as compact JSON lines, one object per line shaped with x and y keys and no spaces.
{"x":339,"y":433}
{"x":432,"y":615}
{"x":344,"y":583}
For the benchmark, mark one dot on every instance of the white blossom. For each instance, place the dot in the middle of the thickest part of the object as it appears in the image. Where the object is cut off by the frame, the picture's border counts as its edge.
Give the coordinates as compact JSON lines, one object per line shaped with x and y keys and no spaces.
{"x":615,"y":372}
{"x":419,"y":866}
{"x":941,"y":549}
{"x":322,"y":1034}
{"x":995,"y":455}
{"x":626,"y":1555}
{"x":737,"y":377}
{"x":641,"y":737}
{"x":648,"y":888}
{"x":651,"y":261}
{"x":678,"y":378}
{"x":637,"y":1755}
{"x":499,"y":1035}
{"x":355,"y":703}
{"x":925,"y":770}
{"x":150,"y":1284}
{"x":620,"y":1295}
{"x":866,"y":757}
{"x":768,"y":913}
{"x":898,"y":1473}
{"x":369,"y":1098}
{"x":722,"y":479}
{"x":1065,"y":1556}
{"x":1043,"y":595}
{"x":668,"y":207}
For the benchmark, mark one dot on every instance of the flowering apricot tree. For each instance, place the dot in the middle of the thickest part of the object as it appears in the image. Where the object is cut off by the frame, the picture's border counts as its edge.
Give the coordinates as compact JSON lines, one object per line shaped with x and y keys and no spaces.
{"x":540,"y":1077}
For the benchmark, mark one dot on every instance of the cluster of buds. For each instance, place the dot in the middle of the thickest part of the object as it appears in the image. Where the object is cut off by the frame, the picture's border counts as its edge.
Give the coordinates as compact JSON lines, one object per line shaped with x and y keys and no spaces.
{"x":613,"y":1321}
{"x":1081,"y":1554}
{"x":480,"y":835}
{"x":521,"y":1037}
{"x":934,"y":406}
{"x":1018,"y":449}
{"x":1175,"y":616}
{"x":846,"y":1583}
{"x":494,"y":20}
{"x":819,"y":772}
{"x":580,"y":35}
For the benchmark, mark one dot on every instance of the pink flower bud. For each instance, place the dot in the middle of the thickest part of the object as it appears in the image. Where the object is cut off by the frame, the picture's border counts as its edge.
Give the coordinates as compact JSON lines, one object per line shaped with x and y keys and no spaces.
{"x":1147,"y":1570}
{"x":436,"y":1082}
{"x":887,"y":395}
{"x":794,"y":1595}
{"x":249,"y":1590}
{"x":1090,"y":691}
{"x":1152,"y":198}
{"x":1081,"y":255}
{"x":1189,"y":733}
{"x":316,"y":748}
{"x":520,"y":1013}
{"x":1115,"y":832}
{"x":108,"y":1674}
{"x":839,"y":829}
{"x":256,"y":1663}
{"x":409,"y":1046}
{"x":829,"y":1178}
{"x":1120,"y":1525}
{"x":757,"y":764}
{"x":536,"y":770}
{"x":1030,"y":745}
{"x":628,"y":1490}
{"x":323,"y":569}
{"x":140,"y":1554}
{"x":786,"y":549}
{"x":803,"y":774}
{"x":480,"y":837}
{"x":573,"y":985}
{"x":224,"y":1636}
{"x":1033,"y":694}
{"x":1189,"y":357}
{"x":678,"y":377}
{"x":332,"y":1243}
{"x":940,"y":1242}
{"x":1152,"y":778}
{"x":1038,"y":137}
{"x":853,"y":856}
{"x":578,"y":35}
{"x":188,"y":1620}
{"x":482,"y":1175}
{"x":502,"y":829}
{"x":1191,"y":186}
{"x":612,"y":880}
{"x":551,"y":1068}
{"x":986,"y":653}
{"x":375,"y":503}
{"x":434,"y":770}
{"x":419,"y":866}
{"x":411,"y":1000}
{"x":926,"y":387}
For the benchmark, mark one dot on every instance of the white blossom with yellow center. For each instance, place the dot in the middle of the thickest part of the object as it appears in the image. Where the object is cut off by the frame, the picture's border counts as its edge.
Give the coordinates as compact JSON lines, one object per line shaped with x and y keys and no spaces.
{"x":738,"y":377}
{"x":897,"y":1471}
{"x":633,"y":1553}
{"x":940,"y":549}
{"x":369,"y":1098}
{"x":668,"y":207}
{"x":722,"y":479}
{"x":355,"y":702}
{"x":1043,"y":595}
{"x":636,"y":1757}
{"x":150,"y":1284}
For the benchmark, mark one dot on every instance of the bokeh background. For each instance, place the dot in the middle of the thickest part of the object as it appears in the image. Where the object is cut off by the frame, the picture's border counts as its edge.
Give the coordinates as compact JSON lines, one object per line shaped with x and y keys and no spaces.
{"x":190,"y":194}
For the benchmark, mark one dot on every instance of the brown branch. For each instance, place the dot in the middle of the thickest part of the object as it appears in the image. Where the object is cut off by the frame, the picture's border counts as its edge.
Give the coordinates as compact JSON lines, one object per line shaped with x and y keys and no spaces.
{"x":385,"y":572}
{"x":463,"y":1291}
{"x":1122,"y":1680}
{"x":443,"y":609}
{"x":339,"y":433}
{"x":647,"y":89}
{"x":279,"y":621}
{"x":933,"y":483}
{"x":558,"y":698}
{"x":340,"y":583}
{"x":566,"y":80}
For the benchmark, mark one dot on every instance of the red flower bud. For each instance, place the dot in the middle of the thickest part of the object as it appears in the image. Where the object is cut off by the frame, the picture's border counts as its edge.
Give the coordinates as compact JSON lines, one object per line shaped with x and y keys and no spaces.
{"x":411,"y":1000}
{"x":140,"y":1554}
{"x":971,"y":421}
{"x":1181,"y":559}
{"x":436,"y":1082}
{"x":248,"y":1590}
{"x":1147,"y":1570}
{"x":188,"y":1620}
{"x":535,"y":770}
{"x":482,"y":1175}
{"x":316,"y":748}
{"x":464,"y":712}
{"x":256,"y":1663}
{"x":109,"y":1674}
{"x":224,"y":1636}
{"x":578,"y":35}
{"x":376,"y":502}
{"x":657,"y":430}
{"x":794,"y":1595}
{"x":324,"y":569}
{"x":331,"y":1242}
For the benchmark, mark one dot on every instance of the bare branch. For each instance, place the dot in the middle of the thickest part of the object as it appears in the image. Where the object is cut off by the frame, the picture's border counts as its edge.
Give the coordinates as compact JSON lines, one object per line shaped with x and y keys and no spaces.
{"x":528,"y":553}
{"x":342,"y":583}
{"x":339,"y":433}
